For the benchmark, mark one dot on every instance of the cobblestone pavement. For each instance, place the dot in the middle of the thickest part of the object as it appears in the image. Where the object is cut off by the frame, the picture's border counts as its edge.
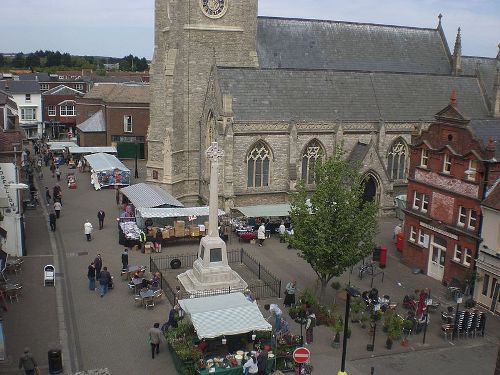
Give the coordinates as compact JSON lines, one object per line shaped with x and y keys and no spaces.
{"x":110,"y":333}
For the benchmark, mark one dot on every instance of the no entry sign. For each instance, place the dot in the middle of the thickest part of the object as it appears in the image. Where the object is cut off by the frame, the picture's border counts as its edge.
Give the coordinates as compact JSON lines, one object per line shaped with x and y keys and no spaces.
{"x":301,"y":355}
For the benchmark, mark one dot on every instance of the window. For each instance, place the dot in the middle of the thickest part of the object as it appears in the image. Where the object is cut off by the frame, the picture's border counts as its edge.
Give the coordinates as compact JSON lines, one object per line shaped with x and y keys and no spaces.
{"x":28,"y":97}
{"x":311,"y":155}
{"x":51,"y":110}
{"x":258,"y":166}
{"x":424,"y":158}
{"x":127,"y":124}
{"x":44,"y":86}
{"x":467,"y":256}
{"x":486,"y":284}
{"x":79,"y":86}
{"x":420,"y":201}
{"x":413,"y":234}
{"x":422,"y":240}
{"x":447,"y":164}
{"x":493,"y":285}
{"x":67,"y":110}
{"x":155,"y":175}
{"x":462,"y":215}
{"x":28,"y":114}
{"x":472,"y":219}
{"x":396,"y":160}
{"x":457,"y":255}
{"x":470,"y":173}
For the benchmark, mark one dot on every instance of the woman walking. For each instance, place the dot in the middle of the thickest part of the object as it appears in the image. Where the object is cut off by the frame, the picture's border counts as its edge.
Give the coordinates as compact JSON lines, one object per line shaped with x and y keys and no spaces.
{"x":91,"y":276}
{"x":290,"y":290}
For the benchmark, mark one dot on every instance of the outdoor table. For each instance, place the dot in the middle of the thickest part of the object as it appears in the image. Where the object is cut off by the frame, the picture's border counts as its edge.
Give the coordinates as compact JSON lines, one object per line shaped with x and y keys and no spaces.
{"x":238,"y":370}
{"x":137,"y":283}
{"x":132,"y":269}
{"x":147,"y":294}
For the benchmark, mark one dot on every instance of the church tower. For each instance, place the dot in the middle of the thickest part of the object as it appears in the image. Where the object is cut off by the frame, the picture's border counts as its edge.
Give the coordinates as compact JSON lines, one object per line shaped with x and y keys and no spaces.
{"x":190,"y":37}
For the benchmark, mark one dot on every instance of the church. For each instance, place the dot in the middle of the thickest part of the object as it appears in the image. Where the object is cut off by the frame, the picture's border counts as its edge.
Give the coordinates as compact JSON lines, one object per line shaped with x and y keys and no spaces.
{"x":279,"y":94}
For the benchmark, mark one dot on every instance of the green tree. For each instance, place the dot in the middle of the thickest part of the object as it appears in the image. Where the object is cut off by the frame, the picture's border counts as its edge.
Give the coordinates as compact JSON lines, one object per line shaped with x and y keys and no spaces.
{"x":335,"y":229}
{"x":2,"y":60}
{"x":32,"y":61}
{"x":18,"y":61}
{"x":66,"y":59}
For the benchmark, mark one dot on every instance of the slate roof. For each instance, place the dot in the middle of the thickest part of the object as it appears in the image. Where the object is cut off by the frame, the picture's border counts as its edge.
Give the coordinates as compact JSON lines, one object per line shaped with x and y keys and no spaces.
{"x":117,"y":79}
{"x":42,"y":77}
{"x":119,"y":93}
{"x":493,"y":198}
{"x":359,"y":152}
{"x":486,"y":129}
{"x":95,"y":123}
{"x":62,"y":90}
{"x":318,"y":44}
{"x":487,"y":70}
{"x":20,"y":87}
{"x":325,"y":95}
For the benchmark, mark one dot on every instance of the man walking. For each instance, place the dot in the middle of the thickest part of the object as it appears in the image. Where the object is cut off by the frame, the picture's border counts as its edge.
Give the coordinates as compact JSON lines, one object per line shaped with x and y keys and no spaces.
{"x":125,"y":259}
{"x":282,"y":230}
{"x":47,"y":195}
{"x":57,"y":209}
{"x":261,"y":234}
{"x":100,"y":217}
{"x":104,"y":280}
{"x":52,"y":221}
{"x":155,"y":337}
{"x":27,"y":362}
{"x":91,"y":276}
{"x":87,"y":228}
{"x":98,"y":265}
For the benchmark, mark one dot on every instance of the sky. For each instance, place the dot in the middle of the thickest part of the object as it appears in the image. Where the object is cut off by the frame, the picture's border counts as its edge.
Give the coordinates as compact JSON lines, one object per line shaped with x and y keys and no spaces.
{"x":120,"y":27}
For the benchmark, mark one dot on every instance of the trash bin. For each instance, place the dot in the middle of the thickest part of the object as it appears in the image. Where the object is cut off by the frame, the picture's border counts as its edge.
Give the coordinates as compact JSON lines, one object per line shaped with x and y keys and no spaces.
{"x":383,"y":257}
{"x":55,"y":361}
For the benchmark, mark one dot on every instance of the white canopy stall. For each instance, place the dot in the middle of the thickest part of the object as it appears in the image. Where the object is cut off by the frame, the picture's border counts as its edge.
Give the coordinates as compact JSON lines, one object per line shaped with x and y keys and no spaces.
{"x":92,"y":150}
{"x":107,"y":170}
{"x":197,"y":215}
{"x":221,"y":315}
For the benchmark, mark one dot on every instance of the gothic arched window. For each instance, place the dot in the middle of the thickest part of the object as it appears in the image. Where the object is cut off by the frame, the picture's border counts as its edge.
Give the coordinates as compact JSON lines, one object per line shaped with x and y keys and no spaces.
{"x":312,"y":154}
{"x":258,"y":165}
{"x":396,"y":160}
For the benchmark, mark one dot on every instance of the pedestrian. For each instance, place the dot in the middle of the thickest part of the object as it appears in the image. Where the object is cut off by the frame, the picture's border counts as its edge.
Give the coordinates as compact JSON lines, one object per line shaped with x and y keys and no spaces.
{"x":104,"y":280}
{"x":58,"y":174}
{"x":98,"y":265}
{"x":125,"y":260}
{"x":290,"y":290}
{"x":52,"y":221}
{"x":261,"y":234}
{"x":48,"y":198}
{"x":87,"y":228}
{"x":100,"y":216}
{"x":155,"y":337}
{"x":53,"y":169}
{"x":250,"y":366}
{"x":282,"y":231}
{"x":158,"y":240}
{"x":277,"y":313}
{"x":262,"y":361}
{"x":57,"y":194}
{"x":172,"y":319}
{"x":57,"y":209}
{"x":27,"y":362}
{"x":310,"y":324}
{"x":91,"y":276}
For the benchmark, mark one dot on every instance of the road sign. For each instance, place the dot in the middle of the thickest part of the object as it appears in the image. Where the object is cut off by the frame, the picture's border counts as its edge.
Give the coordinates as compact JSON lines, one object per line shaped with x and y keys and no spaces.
{"x":301,"y":355}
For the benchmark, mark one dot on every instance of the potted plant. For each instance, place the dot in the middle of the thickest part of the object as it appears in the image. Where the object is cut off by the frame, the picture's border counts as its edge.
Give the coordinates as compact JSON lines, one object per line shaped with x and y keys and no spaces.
{"x":339,"y":325}
{"x":356,"y":306}
{"x":363,"y":319}
{"x":388,"y":316}
{"x":394,"y":331}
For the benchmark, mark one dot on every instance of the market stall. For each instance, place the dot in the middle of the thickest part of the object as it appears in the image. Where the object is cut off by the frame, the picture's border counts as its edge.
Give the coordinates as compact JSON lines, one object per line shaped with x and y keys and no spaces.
{"x":246,"y":219}
{"x":107,"y":170}
{"x":229,"y":325}
{"x":77,"y":150}
{"x":59,"y":147}
{"x":149,"y":196}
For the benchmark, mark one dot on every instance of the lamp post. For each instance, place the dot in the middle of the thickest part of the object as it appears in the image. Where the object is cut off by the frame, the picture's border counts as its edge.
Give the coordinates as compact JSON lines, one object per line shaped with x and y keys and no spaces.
{"x":136,"y":174}
{"x":351,"y":292}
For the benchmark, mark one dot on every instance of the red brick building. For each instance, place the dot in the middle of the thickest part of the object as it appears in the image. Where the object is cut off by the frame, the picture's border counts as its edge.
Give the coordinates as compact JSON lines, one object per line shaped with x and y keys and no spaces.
{"x":59,"y":111}
{"x":451,"y":165}
{"x":115,"y":114}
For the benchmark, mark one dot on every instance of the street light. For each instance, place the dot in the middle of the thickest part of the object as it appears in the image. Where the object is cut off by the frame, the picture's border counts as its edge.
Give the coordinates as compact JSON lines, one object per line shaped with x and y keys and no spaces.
{"x":351,"y":292}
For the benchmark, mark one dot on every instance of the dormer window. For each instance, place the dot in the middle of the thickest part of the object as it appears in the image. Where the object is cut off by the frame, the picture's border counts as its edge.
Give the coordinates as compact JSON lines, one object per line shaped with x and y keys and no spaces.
{"x":424,"y":158}
{"x":471,"y":172}
{"x":447,"y":164}
{"x":28,"y":97}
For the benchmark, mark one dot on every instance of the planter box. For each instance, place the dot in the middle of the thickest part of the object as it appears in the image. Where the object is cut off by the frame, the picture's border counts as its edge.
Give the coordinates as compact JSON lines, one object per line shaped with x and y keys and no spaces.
{"x":180,"y":365}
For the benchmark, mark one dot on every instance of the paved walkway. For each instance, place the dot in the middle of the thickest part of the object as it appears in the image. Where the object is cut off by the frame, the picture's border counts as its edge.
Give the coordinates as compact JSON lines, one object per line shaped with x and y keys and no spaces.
{"x":110,"y":332}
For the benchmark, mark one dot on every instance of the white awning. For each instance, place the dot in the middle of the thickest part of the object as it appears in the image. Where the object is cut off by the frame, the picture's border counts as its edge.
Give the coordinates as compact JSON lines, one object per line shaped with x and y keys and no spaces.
{"x":105,"y":162}
{"x":61,"y":145}
{"x":174,"y":212}
{"x":227,"y":314}
{"x":92,"y":150}
{"x":265,"y":210}
{"x":143,"y":195}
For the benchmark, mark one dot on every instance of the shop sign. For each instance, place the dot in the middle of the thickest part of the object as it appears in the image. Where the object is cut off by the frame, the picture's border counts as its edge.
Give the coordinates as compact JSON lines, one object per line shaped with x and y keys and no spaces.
{"x":440,"y":231}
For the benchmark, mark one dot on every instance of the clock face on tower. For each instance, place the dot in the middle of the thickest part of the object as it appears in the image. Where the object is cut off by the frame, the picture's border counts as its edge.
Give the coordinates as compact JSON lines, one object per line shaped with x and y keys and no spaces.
{"x":214,"y":8}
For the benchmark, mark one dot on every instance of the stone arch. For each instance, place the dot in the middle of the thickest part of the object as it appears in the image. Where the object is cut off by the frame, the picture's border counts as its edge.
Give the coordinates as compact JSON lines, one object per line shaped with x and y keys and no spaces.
{"x":312,"y":151}
{"x":372,"y":186}
{"x":258,"y":161}
{"x":397,"y":159}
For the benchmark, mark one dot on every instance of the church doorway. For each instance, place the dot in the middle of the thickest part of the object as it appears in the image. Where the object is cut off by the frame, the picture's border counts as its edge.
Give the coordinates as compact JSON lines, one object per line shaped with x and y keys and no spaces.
{"x":371,"y":190}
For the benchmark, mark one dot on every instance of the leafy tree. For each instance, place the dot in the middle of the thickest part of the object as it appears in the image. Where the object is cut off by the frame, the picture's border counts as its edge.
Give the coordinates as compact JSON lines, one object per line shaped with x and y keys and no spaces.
{"x":32,"y":60}
{"x":2,"y":60}
{"x":18,"y":61}
{"x":53,"y":58}
{"x":66,"y":59}
{"x":337,"y":229}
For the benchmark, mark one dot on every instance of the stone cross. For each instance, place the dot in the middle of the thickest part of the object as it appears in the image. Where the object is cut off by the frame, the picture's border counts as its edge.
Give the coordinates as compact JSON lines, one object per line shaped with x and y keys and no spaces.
{"x":214,"y":153}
